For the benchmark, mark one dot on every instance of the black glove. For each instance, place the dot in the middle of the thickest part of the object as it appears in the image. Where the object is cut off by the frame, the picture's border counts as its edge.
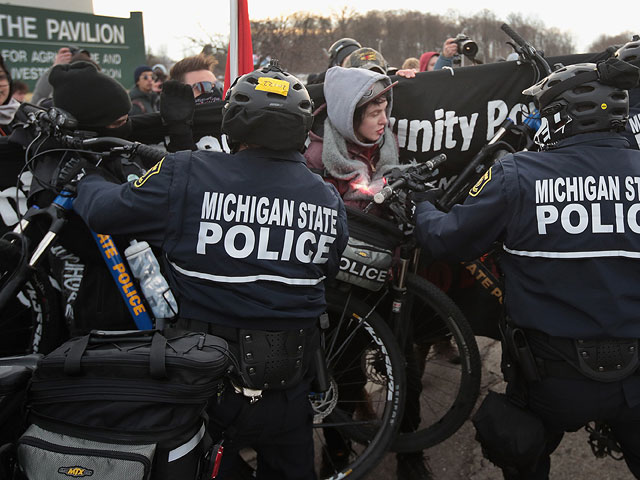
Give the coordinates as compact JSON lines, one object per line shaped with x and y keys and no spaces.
{"x":427,"y":196}
{"x":176,"y":104}
{"x":76,"y":169}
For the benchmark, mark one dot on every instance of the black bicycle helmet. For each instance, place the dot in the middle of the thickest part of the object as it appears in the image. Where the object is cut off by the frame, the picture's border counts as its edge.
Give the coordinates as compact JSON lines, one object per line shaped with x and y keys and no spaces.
{"x":269,"y":108}
{"x":367,"y":58}
{"x":577,"y":99}
{"x":340,"y":50}
{"x":630,"y":51}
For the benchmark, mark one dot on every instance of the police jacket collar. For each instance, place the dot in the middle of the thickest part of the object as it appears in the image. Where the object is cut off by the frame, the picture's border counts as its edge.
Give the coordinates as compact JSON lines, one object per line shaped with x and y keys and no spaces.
{"x":289,"y":155}
{"x":609,"y":139}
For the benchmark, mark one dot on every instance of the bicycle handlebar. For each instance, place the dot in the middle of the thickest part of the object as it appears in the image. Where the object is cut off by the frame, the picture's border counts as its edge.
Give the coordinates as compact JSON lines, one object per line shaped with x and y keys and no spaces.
{"x":428,"y":166}
{"x":514,"y":35}
{"x":132,"y":148}
{"x":63,"y":127}
{"x":527,"y":50}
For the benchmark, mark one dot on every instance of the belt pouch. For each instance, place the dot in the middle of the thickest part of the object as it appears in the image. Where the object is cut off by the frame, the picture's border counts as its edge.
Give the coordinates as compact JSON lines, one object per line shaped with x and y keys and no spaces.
{"x":272,"y":359}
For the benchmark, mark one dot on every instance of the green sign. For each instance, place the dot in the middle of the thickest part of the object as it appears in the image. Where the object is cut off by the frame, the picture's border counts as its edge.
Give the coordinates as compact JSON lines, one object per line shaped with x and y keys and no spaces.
{"x":31,"y":37}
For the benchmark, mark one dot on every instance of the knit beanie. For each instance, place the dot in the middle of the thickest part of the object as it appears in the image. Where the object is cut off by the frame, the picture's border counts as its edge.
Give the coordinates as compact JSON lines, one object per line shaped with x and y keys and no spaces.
{"x":139,"y":71}
{"x":93,"y":98}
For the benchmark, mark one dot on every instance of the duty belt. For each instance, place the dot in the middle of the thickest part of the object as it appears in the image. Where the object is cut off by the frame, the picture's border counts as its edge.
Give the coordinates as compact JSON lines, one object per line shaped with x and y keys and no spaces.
{"x":603,"y":360}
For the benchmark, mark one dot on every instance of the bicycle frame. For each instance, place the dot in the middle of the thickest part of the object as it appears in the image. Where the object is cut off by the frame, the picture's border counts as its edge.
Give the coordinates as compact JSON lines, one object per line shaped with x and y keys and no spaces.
{"x":57,"y":214}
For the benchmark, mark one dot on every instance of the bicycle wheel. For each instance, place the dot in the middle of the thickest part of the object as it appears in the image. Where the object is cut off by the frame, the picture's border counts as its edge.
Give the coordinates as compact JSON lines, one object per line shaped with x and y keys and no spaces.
{"x":356,"y":420}
{"x":32,"y":321}
{"x":443,"y":377}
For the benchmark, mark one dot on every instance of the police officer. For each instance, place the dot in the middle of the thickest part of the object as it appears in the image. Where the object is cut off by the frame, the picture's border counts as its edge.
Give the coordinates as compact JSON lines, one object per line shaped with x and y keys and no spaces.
{"x":248,"y":238}
{"x":630,"y":52}
{"x":567,"y":218}
{"x":338,"y":52}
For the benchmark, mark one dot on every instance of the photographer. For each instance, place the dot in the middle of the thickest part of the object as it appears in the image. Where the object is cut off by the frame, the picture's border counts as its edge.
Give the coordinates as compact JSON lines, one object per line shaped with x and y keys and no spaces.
{"x":453,"y":49}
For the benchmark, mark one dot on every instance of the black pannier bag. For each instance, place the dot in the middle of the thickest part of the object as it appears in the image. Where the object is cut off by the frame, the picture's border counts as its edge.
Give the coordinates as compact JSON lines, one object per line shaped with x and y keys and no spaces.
{"x":15,"y":373}
{"x":115,"y":405}
{"x":369,"y":253}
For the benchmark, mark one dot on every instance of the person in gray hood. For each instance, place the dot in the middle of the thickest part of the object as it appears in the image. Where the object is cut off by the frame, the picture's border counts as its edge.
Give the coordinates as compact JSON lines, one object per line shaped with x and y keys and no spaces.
{"x":358,"y":147}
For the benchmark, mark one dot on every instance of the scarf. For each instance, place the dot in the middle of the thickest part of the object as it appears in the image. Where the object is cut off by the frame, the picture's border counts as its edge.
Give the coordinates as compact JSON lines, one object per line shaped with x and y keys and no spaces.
{"x":335,"y":158}
{"x":8,"y":111}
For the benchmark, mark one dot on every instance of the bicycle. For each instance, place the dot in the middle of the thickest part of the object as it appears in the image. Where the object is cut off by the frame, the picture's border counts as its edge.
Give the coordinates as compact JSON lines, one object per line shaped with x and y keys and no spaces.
{"x":23,"y":262}
{"x":351,"y":341}
{"x":441,"y":395}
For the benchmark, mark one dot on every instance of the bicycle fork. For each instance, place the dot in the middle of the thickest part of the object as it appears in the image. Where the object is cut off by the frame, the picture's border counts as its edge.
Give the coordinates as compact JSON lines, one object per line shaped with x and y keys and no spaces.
{"x":399,"y":314}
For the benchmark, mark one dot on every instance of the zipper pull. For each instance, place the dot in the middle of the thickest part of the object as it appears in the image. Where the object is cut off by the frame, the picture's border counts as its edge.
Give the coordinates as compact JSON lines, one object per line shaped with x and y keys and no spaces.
{"x":218,"y":449}
{"x":220,"y":393}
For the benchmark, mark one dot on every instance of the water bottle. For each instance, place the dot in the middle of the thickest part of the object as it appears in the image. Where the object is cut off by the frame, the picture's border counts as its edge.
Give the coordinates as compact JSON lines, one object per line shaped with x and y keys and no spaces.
{"x":144,"y":266}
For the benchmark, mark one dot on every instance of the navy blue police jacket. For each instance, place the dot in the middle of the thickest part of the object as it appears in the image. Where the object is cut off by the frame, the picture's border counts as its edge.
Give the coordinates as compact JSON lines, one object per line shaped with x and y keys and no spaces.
{"x":568,"y":220}
{"x":632,"y":131}
{"x":248,"y":238}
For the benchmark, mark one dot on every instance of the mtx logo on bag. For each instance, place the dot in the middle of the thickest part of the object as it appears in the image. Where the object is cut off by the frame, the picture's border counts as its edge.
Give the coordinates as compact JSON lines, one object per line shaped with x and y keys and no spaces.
{"x":76,"y":471}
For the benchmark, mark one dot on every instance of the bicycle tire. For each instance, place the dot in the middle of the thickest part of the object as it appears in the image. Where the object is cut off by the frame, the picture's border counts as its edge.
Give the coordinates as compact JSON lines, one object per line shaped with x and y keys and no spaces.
{"x":449,"y":390}
{"x":32,"y":322}
{"x":362,"y":356}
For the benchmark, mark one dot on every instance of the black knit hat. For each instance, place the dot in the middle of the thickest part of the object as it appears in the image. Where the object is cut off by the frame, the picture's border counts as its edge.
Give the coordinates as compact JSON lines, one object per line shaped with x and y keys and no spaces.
{"x":93,"y":98}
{"x":139,"y":71}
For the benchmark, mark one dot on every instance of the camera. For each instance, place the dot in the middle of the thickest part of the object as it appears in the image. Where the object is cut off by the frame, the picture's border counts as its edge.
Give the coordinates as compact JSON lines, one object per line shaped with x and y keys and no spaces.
{"x":466,"y":46}
{"x":75,"y":50}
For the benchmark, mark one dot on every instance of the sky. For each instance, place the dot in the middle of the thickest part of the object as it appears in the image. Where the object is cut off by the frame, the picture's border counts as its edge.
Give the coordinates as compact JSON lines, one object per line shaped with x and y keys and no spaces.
{"x":167,"y":31}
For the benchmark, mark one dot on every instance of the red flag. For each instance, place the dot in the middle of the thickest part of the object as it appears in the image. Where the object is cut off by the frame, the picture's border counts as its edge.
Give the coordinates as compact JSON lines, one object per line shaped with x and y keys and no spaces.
{"x":240,"y":53}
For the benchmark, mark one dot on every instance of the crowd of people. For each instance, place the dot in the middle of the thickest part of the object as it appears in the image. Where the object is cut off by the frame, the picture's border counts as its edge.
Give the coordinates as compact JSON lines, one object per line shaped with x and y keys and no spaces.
{"x":571,"y":252}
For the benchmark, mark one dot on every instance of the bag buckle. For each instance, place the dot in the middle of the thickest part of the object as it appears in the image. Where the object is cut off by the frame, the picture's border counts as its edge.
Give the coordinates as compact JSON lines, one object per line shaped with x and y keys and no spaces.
{"x":251,"y":393}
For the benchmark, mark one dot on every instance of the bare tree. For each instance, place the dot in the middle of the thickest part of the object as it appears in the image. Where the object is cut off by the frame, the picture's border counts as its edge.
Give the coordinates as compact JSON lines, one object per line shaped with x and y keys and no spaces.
{"x":300,"y":41}
{"x":605,"y":41}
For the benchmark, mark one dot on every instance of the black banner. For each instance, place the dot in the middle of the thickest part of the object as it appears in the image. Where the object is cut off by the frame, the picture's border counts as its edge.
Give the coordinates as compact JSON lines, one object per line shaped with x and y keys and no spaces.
{"x":452,"y":111}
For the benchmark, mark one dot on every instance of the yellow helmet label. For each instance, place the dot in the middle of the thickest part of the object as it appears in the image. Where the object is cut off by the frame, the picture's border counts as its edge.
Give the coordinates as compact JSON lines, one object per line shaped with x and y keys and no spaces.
{"x":273,"y":85}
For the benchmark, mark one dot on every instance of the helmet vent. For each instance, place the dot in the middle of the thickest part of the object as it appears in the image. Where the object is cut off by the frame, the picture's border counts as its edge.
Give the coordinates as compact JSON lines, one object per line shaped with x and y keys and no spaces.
{"x":582,"y":89}
{"x":297,"y":86}
{"x":252,"y":80}
{"x":305,"y":105}
{"x":584,"y":107}
{"x":240,"y":97}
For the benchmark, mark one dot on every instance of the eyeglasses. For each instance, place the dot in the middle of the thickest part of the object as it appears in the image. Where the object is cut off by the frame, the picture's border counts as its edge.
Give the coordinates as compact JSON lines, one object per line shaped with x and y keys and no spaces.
{"x":148,"y":77}
{"x":202,"y":87}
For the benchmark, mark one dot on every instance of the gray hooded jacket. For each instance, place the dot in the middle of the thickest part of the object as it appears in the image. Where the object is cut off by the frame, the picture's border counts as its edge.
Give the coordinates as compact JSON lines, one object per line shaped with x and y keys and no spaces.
{"x":343,"y":88}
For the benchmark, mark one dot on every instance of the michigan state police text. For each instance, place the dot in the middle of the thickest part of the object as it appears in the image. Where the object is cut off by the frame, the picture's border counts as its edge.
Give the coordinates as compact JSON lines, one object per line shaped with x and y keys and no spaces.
{"x":244,"y":225}
{"x":596,"y":204}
